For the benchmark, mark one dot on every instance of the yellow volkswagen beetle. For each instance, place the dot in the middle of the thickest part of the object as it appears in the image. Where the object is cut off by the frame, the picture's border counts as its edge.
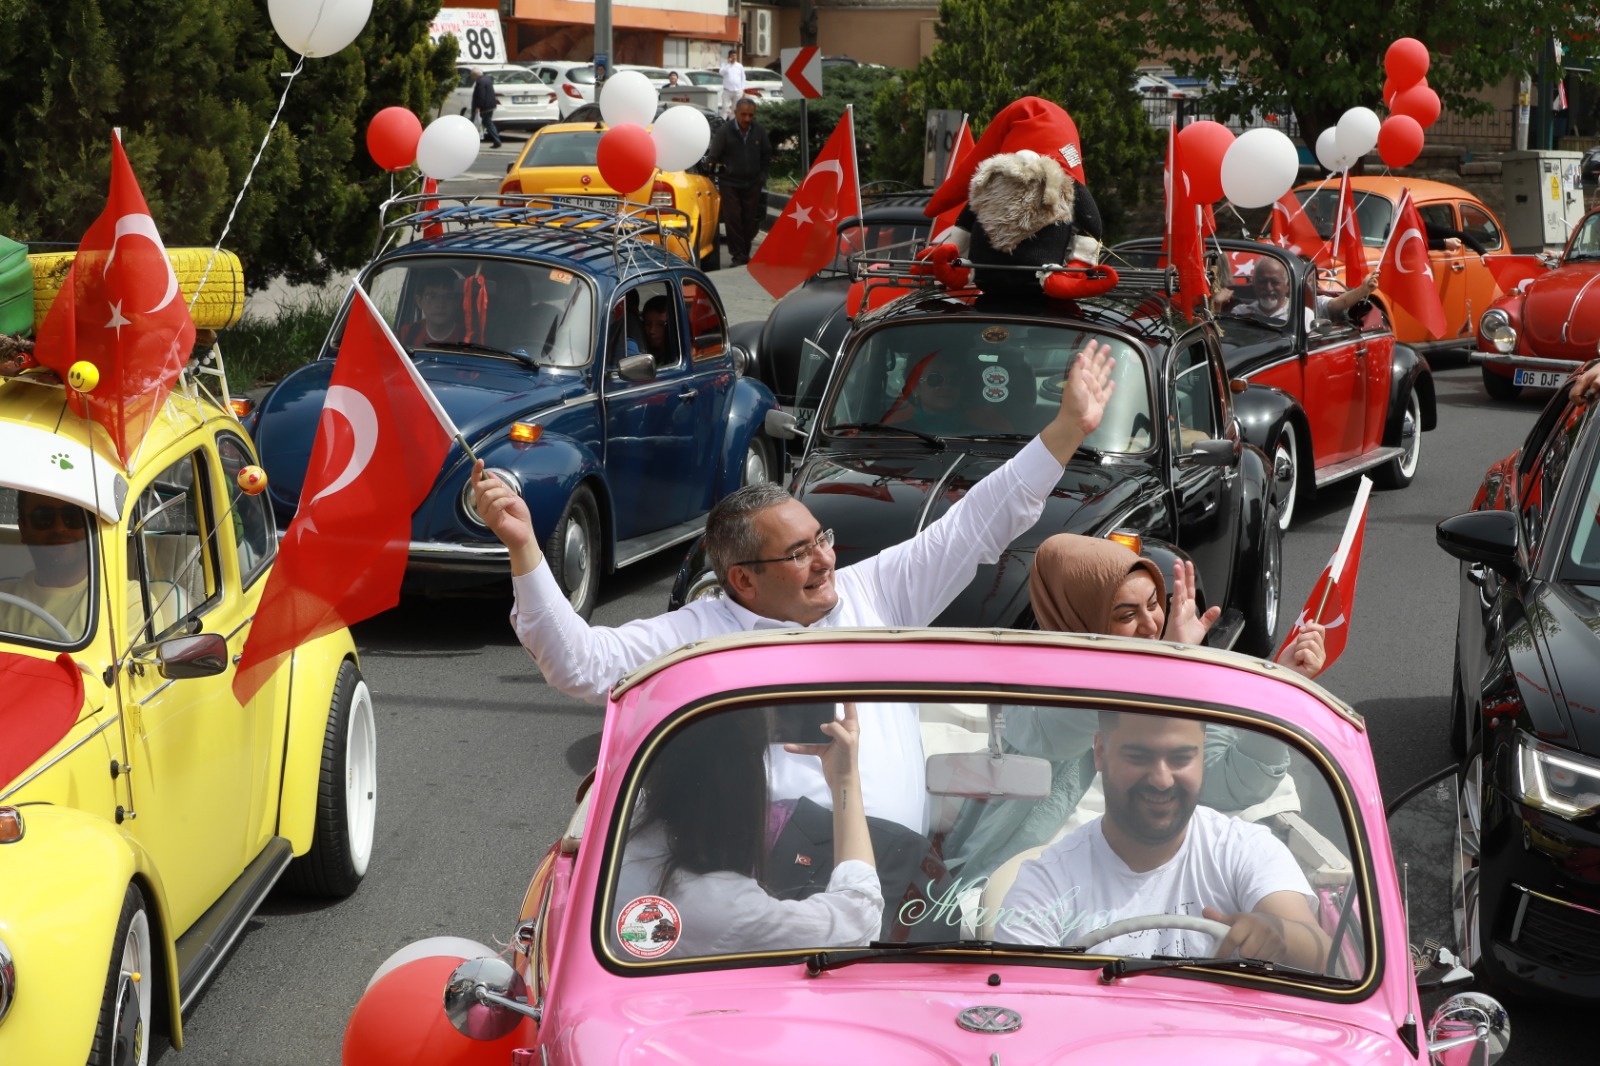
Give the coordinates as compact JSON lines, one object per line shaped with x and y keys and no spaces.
{"x":144,"y":813}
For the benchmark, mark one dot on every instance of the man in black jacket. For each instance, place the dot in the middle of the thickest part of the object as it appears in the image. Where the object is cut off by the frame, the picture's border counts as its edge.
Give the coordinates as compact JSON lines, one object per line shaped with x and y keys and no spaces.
{"x":742,"y":152}
{"x":484,"y":101}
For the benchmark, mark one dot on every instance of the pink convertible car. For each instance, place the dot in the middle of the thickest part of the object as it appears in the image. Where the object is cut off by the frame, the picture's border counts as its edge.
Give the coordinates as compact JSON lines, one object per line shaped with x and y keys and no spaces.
{"x":1086,"y":850}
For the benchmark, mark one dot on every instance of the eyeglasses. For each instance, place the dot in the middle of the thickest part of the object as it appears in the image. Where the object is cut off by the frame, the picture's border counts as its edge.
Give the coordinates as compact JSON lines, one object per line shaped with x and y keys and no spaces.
{"x":934,"y":380}
{"x":800,"y":556}
{"x":44,"y":517}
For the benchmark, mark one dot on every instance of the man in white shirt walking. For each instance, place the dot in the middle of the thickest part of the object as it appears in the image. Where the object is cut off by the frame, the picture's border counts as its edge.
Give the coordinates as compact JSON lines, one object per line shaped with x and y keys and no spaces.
{"x":776,"y":566}
{"x":732,"y":72}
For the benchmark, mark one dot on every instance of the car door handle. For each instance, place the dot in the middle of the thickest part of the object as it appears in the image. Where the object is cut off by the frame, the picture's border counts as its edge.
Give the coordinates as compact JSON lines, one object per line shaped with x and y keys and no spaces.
{"x":688,"y":395}
{"x":1457,"y":266}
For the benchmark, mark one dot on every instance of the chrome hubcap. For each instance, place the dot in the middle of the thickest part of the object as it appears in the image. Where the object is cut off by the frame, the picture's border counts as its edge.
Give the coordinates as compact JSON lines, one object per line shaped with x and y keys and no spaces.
{"x":131,"y":1021}
{"x":1272,"y":578}
{"x":1285,"y":476}
{"x":755,"y":467}
{"x":575,"y":556}
{"x":361,"y":778}
{"x":1411,"y":436}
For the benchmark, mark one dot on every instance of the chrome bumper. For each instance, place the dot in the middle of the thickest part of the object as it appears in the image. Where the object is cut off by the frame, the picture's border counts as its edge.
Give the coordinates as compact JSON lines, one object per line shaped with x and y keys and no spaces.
{"x":1525,"y":362}
{"x":438,"y":557}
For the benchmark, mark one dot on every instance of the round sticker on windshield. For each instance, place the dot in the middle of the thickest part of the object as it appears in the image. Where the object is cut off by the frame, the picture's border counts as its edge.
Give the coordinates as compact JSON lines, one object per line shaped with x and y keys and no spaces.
{"x":996,"y":377}
{"x":995,"y":393}
{"x":996,"y":334}
{"x":648,"y":927}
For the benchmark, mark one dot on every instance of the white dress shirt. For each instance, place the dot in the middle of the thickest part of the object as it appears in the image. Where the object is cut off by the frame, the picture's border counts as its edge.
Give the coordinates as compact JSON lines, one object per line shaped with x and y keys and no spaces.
{"x":732,"y":77}
{"x":907,"y":584}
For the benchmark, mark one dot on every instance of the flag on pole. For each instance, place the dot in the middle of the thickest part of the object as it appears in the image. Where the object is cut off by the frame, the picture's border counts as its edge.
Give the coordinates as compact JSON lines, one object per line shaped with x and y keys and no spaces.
{"x":964,"y":144}
{"x":1185,"y":244}
{"x":1347,"y":243}
{"x":1293,"y":229}
{"x":1334,"y":595}
{"x":120,"y":309}
{"x":380,"y":443}
{"x":1404,"y":272}
{"x":803,"y":239}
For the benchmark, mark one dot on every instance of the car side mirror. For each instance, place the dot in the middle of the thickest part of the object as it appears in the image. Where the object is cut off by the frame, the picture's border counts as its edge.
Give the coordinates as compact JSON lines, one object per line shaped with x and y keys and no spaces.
{"x":1214,"y":452}
{"x":780,"y":425}
{"x":1488,"y":538}
{"x":980,"y":775}
{"x":205,"y":655}
{"x":641,"y":367}
{"x":1470,"y":1022}
{"x":486,"y":999}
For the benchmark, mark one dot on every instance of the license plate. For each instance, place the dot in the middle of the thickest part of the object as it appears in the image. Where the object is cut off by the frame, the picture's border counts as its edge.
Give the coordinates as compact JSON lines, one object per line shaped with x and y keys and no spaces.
{"x":593,"y":203}
{"x":522,"y":99}
{"x":1540,"y":379}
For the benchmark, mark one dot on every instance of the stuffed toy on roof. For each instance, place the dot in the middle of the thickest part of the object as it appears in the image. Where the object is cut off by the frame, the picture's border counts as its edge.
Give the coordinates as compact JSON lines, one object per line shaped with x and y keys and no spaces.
{"x":1027,"y":206}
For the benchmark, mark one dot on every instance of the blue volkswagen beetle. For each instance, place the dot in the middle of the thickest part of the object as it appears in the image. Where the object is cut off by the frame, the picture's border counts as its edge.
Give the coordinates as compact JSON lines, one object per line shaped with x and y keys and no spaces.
{"x":584,"y":363}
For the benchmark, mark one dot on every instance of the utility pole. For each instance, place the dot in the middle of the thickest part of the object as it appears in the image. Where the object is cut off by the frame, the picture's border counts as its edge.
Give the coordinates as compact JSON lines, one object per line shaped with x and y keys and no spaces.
{"x":602,"y":43}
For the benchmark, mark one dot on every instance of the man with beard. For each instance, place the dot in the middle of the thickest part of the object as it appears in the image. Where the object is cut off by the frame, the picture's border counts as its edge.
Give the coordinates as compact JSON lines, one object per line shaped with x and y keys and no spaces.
{"x":1156,"y":852}
{"x":1269,"y":284}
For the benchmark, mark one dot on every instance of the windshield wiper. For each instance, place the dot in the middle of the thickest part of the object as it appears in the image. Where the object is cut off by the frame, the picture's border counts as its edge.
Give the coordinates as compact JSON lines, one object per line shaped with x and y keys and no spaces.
{"x":1128,"y":967}
{"x":822,"y":961}
{"x":468,"y":346}
{"x":882,"y":427}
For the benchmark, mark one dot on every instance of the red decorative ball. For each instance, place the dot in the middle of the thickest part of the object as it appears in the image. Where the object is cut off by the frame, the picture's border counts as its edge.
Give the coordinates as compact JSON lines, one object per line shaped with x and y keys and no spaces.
{"x":252,"y":480}
{"x":392,"y":138}
{"x":400,"y":1021}
{"x":626,"y":157}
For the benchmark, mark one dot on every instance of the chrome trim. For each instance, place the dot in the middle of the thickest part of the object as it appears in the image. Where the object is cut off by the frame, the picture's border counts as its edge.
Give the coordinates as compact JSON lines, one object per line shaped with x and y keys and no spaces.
{"x":220,"y":954}
{"x":1527,"y":362}
{"x":987,"y":1019}
{"x":235,"y":630}
{"x":1522,"y":910}
{"x":8,"y":980}
{"x":1526,"y":892}
{"x":158,"y":690}
{"x":81,"y":742}
{"x":436,"y":556}
{"x":631,"y":551}
{"x":1376,"y":457}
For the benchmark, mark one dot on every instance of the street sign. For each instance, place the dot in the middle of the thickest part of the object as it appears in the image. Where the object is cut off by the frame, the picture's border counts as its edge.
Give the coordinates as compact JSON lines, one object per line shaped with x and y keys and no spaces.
{"x":943,"y":128}
{"x":477,"y":33}
{"x":802,"y":73}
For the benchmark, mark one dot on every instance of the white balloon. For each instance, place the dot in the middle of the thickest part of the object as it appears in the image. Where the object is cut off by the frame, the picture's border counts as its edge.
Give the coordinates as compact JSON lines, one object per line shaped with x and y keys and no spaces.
{"x":448,"y":147}
{"x":681,"y":135}
{"x":318,"y":28}
{"x":435,"y":946}
{"x":628,"y":97}
{"x":1259,"y":166}
{"x":1328,"y":150}
{"x":1357,"y":133}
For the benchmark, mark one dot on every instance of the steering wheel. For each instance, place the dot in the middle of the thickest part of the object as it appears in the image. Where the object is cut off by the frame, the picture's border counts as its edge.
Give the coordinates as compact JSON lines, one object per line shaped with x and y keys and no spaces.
{"x":41,"y":614}
{"x":1141,"y":922}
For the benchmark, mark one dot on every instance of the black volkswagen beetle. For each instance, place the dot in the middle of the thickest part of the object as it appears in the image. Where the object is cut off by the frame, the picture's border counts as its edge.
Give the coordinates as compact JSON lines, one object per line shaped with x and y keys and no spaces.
{"x":934,"y":390}
{"x":1526,"y":709}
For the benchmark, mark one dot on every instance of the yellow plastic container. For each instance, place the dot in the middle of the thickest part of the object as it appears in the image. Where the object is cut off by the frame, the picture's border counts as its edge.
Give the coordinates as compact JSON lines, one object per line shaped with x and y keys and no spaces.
{"x":219,"y":306}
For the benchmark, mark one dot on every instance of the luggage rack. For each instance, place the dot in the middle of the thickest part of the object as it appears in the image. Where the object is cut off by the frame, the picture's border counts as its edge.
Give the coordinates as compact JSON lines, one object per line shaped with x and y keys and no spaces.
{"x":913,"y":273}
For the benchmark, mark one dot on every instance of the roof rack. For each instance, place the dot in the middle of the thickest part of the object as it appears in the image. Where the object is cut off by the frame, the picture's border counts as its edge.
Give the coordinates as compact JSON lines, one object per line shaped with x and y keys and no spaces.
{"x":870,"y":268}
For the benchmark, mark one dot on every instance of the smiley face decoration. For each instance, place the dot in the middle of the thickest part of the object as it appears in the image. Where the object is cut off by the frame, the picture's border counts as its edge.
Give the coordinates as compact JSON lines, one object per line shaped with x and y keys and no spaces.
{"x":252,"y":480}
{"x":83,"y":376}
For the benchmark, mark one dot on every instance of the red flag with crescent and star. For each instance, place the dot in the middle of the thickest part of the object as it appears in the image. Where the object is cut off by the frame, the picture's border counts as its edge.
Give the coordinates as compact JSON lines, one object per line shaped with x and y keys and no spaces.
{"x":805,"y":236}
{"x":1184,"y":239}
{"x":1293,"y":229}
{"x":120,"y":309}
{"x":1334,"y":594}
{"x":380,"y":443}
{"x":1347,"y":244}
{"x":1404,"y":273}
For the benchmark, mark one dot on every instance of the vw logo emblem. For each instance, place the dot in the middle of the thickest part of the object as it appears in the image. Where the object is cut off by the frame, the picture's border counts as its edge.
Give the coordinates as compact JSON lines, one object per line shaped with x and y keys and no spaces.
{"x":989,"y":1020}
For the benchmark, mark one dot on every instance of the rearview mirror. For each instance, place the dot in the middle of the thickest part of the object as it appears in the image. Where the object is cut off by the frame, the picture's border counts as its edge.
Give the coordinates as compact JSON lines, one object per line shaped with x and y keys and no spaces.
{"x":980,"y":775}
{"x":205,"y":655}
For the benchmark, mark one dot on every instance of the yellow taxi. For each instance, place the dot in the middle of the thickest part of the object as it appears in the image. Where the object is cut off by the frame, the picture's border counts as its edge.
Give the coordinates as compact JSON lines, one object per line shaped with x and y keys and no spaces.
{"x":144,"y":813}
{"x":559,"y":160}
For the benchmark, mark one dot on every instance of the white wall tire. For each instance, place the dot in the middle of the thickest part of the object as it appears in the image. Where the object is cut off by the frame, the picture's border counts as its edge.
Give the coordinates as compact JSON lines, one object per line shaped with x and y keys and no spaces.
{"x":347,"y":795}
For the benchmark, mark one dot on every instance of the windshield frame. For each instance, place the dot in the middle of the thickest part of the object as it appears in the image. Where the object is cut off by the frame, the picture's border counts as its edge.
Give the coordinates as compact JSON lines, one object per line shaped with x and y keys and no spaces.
{"x":1338,"y":788}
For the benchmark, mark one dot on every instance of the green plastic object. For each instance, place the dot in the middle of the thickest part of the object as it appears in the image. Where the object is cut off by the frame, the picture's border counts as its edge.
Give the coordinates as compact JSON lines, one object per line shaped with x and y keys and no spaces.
{"x":16,"y":288}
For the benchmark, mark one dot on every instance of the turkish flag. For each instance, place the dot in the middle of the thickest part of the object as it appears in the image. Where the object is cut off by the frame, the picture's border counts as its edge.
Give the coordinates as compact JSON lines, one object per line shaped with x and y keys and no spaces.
{"x":1334,"y":593}
{"x":380,"y":443}
{"x":1347,"y":244}
{"x":1510,"y":271}
{"x":803,"y":239}
{"x":120,"y":309}
{"x":1404,"y":272}
{"x":1185,"y":219}
{"x":964,"y":144}
{"x":1294,"y":230}
{"x":44,"y":697}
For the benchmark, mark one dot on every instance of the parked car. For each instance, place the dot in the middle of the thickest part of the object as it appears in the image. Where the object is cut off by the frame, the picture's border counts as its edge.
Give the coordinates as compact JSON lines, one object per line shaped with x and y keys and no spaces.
{"x":765,"y":85}
{"x":1361,"y":401}
{"x":1169,"y":463}
{"x":656,"y":75}
{"x":611,"y":961}
{"x":572,"y":81}
{"x":1522,"y":707}
{"x":560,"y":160}
{"x":1589,"y":168}
{"x":526,"y":102}
{"x":145,"y":814}
{"x":1543,"y":330}
{"x":1466,"y":284}
{"x":619,"y":451}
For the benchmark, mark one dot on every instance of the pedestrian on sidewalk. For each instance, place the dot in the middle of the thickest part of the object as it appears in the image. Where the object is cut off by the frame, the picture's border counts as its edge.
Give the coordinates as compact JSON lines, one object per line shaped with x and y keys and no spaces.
{"x":742,"y":153}
{"x":484,"y":101}
{"x":732,"y":72}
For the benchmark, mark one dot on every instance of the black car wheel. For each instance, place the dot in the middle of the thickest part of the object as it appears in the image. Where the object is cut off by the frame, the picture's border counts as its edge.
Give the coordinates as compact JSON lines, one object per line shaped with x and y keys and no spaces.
{"x":713,"y":259}
{"x":1468,"y":919}
{"x":1261,"y":607}
{"x":122,"y":1032}
{"x":1398,"y":472}
{"x":574,"y":551}
{"x":1499,"y":387}
{"x":347,"y":795}
{"x":1285,"y":475}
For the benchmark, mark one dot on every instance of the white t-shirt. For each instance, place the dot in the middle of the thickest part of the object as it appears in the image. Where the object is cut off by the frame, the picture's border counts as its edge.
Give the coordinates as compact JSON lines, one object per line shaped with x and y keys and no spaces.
{"x":1080,"y":884}
{"x":732,"y":76}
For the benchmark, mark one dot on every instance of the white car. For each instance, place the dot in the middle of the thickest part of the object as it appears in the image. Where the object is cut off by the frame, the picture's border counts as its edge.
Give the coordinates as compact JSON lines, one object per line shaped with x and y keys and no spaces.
{"x":572,"y":81}
{"x":760,"y":84}
{"x":526,"y":102}
{"x":657,"y":75}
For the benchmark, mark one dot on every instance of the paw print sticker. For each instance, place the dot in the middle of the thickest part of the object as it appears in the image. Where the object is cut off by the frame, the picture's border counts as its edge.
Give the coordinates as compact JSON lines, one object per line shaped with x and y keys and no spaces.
{"x":59,"y":459}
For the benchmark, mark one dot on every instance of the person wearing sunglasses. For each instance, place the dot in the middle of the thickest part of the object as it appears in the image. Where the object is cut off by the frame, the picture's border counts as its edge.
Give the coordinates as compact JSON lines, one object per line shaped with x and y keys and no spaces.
{"x":775,"y":563}
{"x":56,"y":588}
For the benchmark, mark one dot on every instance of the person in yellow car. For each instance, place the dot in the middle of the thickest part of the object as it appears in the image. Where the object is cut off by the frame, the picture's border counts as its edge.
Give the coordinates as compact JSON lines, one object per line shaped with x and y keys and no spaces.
{"x":55,"y":535}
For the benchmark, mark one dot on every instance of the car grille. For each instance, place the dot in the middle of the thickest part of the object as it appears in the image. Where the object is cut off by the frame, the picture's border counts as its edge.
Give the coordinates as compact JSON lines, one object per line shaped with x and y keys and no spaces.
{"x":1563,"y":938}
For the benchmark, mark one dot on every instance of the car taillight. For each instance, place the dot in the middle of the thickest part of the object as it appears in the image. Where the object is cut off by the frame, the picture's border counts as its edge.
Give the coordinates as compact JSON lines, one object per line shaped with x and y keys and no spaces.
{"x":552,"y":99}
{"x":570,"y":91}
{"x":661,"y":195}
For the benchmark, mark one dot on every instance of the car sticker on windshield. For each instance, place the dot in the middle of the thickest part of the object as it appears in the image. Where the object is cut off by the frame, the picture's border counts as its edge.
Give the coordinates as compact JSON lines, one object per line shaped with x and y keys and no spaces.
{"x":648,"y":926}
{"x":561,"y":276}
{"x":996,"y":334}
{"x":996,"y":384}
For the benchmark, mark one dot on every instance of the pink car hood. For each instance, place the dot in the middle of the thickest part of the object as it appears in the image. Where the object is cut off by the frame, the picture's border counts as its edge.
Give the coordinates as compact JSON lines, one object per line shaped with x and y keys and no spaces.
{"x":889,"y":1017}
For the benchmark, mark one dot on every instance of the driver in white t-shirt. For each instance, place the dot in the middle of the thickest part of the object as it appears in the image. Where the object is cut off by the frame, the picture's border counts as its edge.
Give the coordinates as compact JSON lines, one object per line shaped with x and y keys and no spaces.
{"x":1156,"y":852}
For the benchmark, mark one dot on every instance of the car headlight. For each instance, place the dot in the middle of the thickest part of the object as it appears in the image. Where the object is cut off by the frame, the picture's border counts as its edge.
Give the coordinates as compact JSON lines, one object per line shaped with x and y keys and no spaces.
{"x":469,"y":493}
{"x":1557,"y":780}
{"x":1495,"y":326}
{"x":8,"y":981}
{"x":705,"y":587}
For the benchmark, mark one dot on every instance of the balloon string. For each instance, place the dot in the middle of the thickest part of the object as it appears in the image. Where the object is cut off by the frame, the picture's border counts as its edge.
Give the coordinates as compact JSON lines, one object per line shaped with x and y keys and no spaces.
{"x":250,"y":174}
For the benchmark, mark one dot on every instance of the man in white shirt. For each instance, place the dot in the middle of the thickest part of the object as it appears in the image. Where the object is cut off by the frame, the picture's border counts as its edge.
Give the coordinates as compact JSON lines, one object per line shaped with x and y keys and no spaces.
{"x":1156,"y":852}
{"x":776,"y":566}
{"x":732,"y":72}
{"x":1269,"y":283}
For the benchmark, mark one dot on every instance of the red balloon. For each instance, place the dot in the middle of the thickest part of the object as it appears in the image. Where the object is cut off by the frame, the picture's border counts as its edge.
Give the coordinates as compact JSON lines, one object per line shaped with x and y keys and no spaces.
{"x":1406,"y":62}
{"x":400,"y":1021}
{"x":1388,"y":94}
{"x":1420,"y":102}
{"x":392,"y":137}
{"x":626,"y":157}
{"x":1399,"y":140}
{"x":1203,"y":144}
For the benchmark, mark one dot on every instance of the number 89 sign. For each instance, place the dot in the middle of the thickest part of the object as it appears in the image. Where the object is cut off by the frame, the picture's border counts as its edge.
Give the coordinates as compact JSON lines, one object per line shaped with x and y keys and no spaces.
{"x":476,"y":30}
